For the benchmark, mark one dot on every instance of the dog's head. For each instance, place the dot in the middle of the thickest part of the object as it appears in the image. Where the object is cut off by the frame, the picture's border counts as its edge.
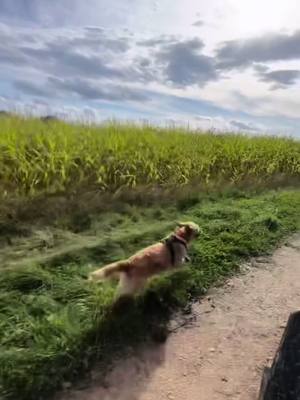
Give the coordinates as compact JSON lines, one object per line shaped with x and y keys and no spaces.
{"x":187,"y":230}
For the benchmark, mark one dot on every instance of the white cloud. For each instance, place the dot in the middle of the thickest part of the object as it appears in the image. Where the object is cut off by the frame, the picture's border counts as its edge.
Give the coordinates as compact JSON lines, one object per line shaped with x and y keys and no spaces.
{"x":140,"y":54}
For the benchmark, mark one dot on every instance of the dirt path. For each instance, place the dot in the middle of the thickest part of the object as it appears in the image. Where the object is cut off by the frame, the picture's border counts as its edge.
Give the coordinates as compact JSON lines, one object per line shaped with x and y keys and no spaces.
{"x":235,"y":332}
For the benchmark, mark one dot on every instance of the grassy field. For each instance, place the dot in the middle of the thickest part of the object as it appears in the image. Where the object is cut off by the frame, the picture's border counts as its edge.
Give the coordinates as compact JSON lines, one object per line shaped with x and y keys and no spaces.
{"x":54,"y":157}
{"x":54,"y":324}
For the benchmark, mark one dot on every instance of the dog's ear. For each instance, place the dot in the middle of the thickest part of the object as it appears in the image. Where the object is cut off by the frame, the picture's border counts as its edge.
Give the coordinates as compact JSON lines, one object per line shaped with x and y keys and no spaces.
{"x":189,"y":226}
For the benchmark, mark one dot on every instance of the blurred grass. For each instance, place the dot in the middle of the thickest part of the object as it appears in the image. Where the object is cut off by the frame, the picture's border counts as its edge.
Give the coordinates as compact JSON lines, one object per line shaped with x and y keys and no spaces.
{"x":54,"y":324}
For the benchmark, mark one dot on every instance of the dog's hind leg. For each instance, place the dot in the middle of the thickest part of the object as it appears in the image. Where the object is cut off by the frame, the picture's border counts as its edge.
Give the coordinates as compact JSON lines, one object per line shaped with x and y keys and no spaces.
{"x":128,"y":285}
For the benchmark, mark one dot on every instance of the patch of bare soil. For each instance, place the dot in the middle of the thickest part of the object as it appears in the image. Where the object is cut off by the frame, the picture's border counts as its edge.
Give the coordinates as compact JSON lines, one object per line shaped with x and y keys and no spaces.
{"x":235,"y":332}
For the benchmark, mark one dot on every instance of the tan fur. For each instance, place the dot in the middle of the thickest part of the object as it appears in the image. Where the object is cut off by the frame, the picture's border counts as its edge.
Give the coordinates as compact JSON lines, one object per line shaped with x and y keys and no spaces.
{"x":155,"y":259}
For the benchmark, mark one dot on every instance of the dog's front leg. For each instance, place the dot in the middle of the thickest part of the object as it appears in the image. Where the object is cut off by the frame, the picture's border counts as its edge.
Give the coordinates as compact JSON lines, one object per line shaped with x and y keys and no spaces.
{"x":185,"y":259}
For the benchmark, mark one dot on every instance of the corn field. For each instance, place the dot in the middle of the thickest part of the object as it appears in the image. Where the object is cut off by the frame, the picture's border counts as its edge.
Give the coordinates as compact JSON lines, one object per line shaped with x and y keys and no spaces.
{"x":48,"y":157}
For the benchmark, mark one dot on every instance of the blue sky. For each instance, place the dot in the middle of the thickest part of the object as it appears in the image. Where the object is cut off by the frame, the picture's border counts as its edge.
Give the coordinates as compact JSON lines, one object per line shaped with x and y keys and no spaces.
{"x":222,"y":64}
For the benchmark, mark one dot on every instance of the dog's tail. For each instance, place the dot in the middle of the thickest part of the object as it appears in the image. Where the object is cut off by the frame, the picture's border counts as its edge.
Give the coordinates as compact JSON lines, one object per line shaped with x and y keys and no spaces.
{"x":109,"y":271}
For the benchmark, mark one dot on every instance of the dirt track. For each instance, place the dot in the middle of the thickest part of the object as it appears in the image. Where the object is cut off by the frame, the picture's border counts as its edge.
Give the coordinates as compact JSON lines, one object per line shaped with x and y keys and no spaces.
{"x":220,"y":355}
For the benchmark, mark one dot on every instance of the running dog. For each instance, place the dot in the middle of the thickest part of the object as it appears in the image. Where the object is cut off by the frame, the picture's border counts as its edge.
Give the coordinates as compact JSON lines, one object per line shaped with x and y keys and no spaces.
{"x":168,"y":254}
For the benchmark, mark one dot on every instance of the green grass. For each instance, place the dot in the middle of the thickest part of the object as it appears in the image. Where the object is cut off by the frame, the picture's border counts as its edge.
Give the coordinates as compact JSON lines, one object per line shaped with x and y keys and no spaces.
{"x":54,"y":324}
{"x":56,"y":179}
{"x":41,"y":158}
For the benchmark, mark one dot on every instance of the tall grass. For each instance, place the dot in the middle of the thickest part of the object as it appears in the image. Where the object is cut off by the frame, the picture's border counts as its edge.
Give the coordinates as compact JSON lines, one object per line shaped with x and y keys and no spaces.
{"x":38,"y":157}
{"x":54,"y":324}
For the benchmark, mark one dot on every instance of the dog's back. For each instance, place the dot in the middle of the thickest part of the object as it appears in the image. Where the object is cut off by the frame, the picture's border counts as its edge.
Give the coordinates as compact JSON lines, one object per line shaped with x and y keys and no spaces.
{"x":156,"y":258}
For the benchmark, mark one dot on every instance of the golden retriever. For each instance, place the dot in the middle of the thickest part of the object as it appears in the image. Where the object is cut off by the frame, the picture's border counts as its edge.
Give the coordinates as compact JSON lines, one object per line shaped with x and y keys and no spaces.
{"x":165,"y":255}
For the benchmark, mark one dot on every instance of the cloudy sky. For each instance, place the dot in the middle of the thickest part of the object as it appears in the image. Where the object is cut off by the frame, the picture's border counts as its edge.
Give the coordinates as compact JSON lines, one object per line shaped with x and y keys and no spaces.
{"x":226,"y":64}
